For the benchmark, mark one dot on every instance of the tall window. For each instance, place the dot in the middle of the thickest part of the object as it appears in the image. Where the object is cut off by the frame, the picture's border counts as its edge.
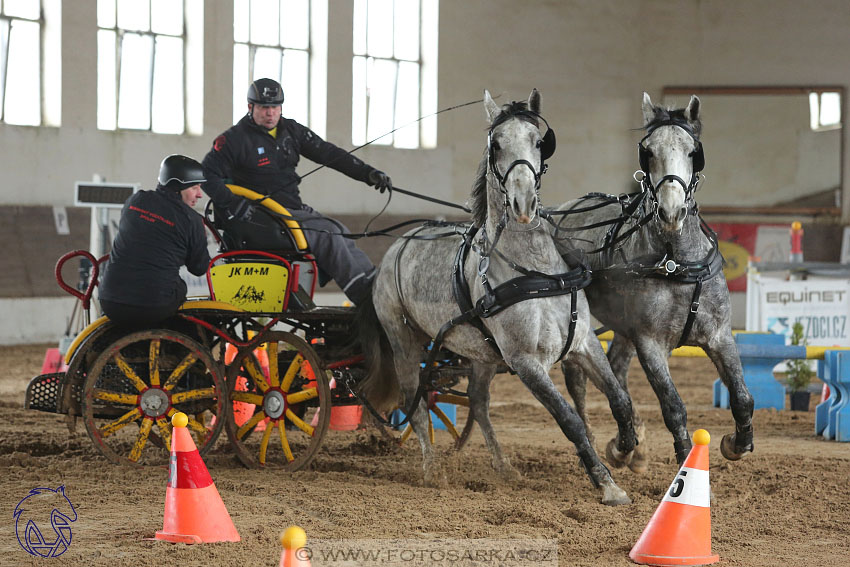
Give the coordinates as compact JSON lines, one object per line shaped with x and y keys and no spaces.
{"x":272,"y":40}
{"x":148,"y":52}
{"x":395,"y":72}
{"x":30,"y":63}
{"x":825,"y":110}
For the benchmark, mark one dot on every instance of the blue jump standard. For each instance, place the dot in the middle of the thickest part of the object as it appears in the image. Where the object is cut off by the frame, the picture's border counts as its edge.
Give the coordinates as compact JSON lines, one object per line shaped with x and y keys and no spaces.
{"x":760,"y":353}
{"x":832,"y":417}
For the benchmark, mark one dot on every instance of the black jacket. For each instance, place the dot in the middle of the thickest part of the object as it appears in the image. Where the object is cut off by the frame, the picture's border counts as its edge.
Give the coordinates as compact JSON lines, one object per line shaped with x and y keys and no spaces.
{"x":249,"y":156}
{"x":157,"y":234}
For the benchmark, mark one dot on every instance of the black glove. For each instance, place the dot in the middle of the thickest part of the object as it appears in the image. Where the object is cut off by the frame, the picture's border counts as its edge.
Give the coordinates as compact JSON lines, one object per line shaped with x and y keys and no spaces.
{"x":241,"y":210}
{"x":380,"y":180}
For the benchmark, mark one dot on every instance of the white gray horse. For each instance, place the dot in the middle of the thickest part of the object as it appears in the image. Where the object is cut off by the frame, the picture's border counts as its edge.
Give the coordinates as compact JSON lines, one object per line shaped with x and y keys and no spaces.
{"x":413,"y":301}
{"x":657,"y":278}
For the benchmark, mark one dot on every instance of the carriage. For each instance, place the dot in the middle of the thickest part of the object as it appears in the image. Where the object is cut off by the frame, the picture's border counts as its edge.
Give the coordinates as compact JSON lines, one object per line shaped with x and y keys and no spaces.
{"x":258,"y":358}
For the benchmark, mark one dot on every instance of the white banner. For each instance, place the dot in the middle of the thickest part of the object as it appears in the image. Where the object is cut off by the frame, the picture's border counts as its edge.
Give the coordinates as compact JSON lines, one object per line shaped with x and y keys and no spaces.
{"x":822,"y":306}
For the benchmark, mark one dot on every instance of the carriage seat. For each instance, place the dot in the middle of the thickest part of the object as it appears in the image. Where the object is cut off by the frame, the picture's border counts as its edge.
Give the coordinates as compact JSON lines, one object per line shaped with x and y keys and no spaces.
{"x":269,"y":230}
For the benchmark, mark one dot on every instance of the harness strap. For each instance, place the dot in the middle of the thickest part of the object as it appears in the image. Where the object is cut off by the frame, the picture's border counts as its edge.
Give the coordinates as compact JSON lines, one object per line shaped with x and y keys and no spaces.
{"x":692,"y":314}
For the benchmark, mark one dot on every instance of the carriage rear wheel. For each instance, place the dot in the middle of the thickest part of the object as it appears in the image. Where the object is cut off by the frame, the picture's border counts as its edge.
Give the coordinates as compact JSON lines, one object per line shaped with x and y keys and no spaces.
{"x":137,"y":383}
{"x":289,"y":400}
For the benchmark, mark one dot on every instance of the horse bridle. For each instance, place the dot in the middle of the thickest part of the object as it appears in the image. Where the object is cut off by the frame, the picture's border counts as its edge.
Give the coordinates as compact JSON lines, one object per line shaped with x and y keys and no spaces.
{"x":697,"y":161}
{"x":547,"y":148}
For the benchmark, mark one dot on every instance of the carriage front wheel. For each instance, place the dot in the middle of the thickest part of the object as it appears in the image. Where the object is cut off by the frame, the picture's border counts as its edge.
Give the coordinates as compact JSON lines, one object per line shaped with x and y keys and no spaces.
{"x":137,"y":383}
{"x":281,"y":409}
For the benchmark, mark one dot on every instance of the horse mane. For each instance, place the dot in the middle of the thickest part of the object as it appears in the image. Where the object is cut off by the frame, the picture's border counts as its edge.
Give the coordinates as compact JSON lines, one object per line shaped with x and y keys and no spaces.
{"x":675,"y":116}
{"x":478,"y":196}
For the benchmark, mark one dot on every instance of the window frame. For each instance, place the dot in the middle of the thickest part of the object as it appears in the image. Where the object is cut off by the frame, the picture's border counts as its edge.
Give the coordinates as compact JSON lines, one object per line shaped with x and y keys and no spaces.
{"x":426,"y":63}
{"x":240,"y":84}
{"x":191,"y":125}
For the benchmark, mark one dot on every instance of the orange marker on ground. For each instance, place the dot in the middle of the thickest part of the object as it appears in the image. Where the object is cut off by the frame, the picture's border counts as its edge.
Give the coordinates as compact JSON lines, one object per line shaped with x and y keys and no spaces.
{"x":194,"y":511}
{"x":679,"y":532}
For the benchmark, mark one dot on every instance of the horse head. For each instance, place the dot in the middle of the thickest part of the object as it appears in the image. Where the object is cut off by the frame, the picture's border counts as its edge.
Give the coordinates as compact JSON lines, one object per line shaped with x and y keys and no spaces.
{"x":671,"y":159}
{"x":516,"y":151}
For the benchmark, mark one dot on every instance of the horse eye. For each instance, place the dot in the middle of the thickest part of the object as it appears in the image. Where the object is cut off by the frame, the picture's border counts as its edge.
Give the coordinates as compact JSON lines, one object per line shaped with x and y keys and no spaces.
{"x":496,"y":145}
{"x":539,"y":143}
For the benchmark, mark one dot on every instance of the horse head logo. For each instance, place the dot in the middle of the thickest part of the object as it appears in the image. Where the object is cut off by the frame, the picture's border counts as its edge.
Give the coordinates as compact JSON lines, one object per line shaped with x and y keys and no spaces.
{"x":34,"y":509}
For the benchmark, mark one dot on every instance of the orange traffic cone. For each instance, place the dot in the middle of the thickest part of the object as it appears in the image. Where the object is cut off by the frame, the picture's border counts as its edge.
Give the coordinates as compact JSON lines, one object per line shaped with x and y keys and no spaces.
{"x":293,"y":539}
{"x":679,"y":532}
{"x":194,"y":511}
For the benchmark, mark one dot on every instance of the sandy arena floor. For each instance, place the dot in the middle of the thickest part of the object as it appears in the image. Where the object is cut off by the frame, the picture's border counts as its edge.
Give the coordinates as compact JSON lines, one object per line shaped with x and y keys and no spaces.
{"x":786,"y":504}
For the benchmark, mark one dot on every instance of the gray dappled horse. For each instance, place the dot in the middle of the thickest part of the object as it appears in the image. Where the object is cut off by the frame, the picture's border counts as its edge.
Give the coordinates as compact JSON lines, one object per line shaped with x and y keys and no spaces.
{"x":657,"y":279}
{"x":413,"y":301}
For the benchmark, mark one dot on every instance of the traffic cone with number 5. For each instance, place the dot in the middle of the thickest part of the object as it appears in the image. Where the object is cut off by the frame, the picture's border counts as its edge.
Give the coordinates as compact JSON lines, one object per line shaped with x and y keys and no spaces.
{"x":679,"y":532}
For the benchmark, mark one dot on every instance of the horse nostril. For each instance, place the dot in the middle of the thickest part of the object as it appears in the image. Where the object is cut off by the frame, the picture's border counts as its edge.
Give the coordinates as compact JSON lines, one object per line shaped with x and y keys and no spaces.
{"x":516,"y":206}
{"x":683,"y":212}
{"x":662,"y":214}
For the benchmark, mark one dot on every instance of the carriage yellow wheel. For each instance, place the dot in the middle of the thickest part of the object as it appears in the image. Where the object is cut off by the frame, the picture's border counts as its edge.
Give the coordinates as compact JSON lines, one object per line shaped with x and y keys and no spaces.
{"x":138,"y":382}
{"x":285,"y":409}
{"x":460,"y":437}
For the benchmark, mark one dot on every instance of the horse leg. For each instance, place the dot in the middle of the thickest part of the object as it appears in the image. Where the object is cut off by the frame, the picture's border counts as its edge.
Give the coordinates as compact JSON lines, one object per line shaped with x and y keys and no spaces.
{"x":590,"y":357}
{"x":576,"y":382}
{"x":479,"y":406}
{"x":408,"y":373}
{"x":653,"y":359}
{"x":536,"y":379}
{"x":728,"y":363}
{"x":620,"y":353}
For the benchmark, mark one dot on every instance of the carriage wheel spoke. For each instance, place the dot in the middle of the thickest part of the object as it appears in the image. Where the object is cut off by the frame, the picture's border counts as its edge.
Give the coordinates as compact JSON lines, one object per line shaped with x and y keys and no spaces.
{"x":405,"y":435}
{"x":256,"y":374}
{"x":153,"y":363}
{"x":248,"y":425}
{"x":137,"y":382}
{"x":452,"y":399}
{"x":141,"y":440}
{"x":247,"y":397}
{"x":299,"y":423}
{"x":450,"y":427}
{"x":178,"y":372}
{"x":164,"y":432}
{"x":115,"y":397}
{"x":197,"y":427}
{"x":430,"y":429}
{"x":302,"y":396}
{"x":264,"y":443}
{"x":274,"y":376}
{"x":284,"y":442}
{"x":122,"y":421}
{"x":293,"y":369}
{"x":192,"y":395}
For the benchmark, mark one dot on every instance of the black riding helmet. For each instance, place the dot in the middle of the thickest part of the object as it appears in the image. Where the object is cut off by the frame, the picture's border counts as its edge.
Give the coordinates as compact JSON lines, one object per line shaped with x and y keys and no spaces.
{"x":180,"y":172}
{"x":265,"y":91}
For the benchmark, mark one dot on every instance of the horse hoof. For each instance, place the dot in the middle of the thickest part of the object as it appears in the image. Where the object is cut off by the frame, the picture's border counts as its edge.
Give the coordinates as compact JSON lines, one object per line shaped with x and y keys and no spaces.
{"x":613,"y":495}
{"x":639,"y":463}
{"x":507,"y":472}
{"x":617,"y":459}
{"x":435,"y":478}
{"x":727,"y":448}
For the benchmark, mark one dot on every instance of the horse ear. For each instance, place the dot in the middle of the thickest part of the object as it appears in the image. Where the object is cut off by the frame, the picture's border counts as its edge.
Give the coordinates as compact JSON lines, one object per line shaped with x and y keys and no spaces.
{"x":490,"y":106}
{"x":692,"y":110}
{"x":534,"y":101}
{"x":648,"y":109}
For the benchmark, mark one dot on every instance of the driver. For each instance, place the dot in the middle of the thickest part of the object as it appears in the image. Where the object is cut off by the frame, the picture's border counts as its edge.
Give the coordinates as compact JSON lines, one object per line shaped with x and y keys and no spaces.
{"x":261,"y":152}
{"x":157,"y":234}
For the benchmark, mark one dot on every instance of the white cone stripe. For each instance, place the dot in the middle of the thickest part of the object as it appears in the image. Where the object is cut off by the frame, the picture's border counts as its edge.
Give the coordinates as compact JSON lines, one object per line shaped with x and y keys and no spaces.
{"x":690,"y":487}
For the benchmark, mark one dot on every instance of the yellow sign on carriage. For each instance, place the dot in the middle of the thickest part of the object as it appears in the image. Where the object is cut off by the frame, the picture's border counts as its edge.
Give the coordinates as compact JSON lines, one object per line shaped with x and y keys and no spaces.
{"x":252,"y":286}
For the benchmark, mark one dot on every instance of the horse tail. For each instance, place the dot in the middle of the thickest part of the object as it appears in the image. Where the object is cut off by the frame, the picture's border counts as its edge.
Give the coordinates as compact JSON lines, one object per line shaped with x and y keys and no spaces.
{"x":380,"y":386}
